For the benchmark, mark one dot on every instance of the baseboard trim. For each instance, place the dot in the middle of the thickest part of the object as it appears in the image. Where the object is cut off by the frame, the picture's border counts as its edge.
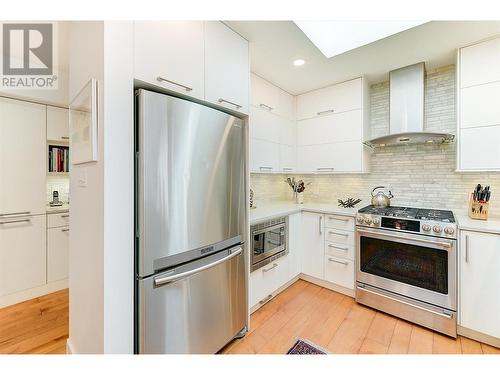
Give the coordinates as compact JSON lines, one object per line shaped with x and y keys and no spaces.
{"x":69,"y":347}
{"x":328,"y":285}
{"x":25,"y":295}
{"x":478,"y":336}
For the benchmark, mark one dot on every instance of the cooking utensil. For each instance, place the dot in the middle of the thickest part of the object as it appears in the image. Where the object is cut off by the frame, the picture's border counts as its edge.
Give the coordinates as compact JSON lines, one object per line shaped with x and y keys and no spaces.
{"x":380,"y":199}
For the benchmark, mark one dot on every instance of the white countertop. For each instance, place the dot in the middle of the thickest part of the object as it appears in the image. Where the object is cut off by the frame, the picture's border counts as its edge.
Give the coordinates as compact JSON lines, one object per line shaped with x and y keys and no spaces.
{"x":265,"y":211}
{"x":269,"y":210}
{"x":492,"y":225}
{"x":58,"y":209}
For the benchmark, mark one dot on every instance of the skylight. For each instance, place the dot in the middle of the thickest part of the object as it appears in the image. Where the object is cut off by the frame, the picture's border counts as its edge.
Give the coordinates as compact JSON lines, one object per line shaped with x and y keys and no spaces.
{"x":335,"y":37}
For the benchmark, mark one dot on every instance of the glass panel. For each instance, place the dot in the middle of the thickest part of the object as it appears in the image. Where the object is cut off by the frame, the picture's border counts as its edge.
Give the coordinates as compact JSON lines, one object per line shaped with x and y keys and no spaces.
{"x":410,"y":264}
{"x":268,"y":241}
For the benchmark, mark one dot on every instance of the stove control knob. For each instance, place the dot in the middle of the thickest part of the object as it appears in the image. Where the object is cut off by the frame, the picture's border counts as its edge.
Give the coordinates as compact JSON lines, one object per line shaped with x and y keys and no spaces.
{"x":368,"y":221}
{"x":449,"y":230}
{"x":437,"y":229}
{"x":426,"y":227}
{"x":376,"y":221}
{"x":359,"y":219}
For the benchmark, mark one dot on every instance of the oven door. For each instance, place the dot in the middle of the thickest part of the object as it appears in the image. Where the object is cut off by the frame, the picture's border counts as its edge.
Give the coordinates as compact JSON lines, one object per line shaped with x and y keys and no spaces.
{"x":415,"y":266}
{"x":268,"y":241}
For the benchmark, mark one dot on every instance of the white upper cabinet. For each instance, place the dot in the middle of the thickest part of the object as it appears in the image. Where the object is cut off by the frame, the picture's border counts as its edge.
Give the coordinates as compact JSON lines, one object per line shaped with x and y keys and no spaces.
{"x":264,"y":156}
{"x":479,"y":280}
{"x":478,"y":107}
{"x":331,"y":157}
{"x":341,"y":97}
{"x":170,"y":54}
{"x":339,"y":127}
{"x":23,"y":154}
{"x":265,"y":125}
{"x":480,"y":63}
{"x":227,"y":68}
{"x":266,"y":96}
{"x":57,"y":124}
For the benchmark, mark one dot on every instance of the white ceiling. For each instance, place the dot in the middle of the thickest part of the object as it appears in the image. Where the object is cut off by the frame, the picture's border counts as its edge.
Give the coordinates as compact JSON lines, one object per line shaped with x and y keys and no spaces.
{"x":275,"y":44}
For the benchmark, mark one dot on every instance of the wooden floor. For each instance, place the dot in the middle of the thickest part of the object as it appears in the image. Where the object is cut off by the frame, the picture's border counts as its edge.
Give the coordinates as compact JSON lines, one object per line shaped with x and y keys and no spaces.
{"x":37,"y":326}
{"x":338,"y":324}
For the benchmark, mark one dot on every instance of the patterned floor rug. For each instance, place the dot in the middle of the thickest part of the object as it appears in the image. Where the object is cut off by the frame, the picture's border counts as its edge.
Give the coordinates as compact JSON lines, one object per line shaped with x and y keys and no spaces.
{"x":305,"y":347}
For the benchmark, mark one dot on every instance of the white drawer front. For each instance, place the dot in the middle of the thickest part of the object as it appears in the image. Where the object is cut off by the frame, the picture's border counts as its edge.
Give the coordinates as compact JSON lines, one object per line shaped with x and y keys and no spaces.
{"x":57,"y":220}
{"x":339,"y":222}
{"x":338,"y":250}
{"x":339,"y":236}
{"x":339,"y":271}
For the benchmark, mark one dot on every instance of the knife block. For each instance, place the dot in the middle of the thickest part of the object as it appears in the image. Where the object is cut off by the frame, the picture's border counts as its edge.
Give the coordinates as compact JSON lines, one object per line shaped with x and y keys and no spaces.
{"x":478,"y":210}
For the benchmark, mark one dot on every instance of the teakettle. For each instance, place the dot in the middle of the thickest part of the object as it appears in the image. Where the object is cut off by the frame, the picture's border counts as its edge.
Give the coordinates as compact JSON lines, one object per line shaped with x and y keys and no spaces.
{"x":380,"y":199}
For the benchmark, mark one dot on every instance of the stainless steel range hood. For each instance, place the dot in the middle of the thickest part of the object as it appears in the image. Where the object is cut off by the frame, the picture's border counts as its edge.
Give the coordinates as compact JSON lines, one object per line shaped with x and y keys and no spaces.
{"x":406,"y":110}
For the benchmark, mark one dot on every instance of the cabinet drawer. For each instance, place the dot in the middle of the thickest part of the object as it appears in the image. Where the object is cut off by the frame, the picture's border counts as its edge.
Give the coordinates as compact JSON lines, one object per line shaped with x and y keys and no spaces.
{"x":339,"y":271}
{"x":345,"y":251}
{"x":339,"y":236}
{"x":339,"y":222}
{"x":57,"y":220}
{"x":57,"y":253}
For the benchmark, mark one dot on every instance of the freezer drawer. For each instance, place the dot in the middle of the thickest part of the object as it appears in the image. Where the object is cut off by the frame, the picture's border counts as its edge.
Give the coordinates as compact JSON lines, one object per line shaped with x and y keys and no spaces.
{"x":196,"y":308}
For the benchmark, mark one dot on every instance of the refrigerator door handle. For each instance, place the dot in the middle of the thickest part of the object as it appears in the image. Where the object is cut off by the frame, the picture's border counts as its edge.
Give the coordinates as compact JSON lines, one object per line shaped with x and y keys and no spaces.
{"x":162,"y":280}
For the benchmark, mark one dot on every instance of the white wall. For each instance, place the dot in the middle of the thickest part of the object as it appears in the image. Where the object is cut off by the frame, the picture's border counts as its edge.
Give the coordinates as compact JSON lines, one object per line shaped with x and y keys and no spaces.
{"x":86,"y":258}
{"x":118,"y":187}
{"x":102,"y":213}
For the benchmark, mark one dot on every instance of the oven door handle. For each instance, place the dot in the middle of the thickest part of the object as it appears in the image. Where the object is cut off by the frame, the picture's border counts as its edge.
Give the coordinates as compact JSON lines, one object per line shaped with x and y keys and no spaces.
{"x":421,"y":240}
{"x":444,"y":315}
{"x":267,"y":229}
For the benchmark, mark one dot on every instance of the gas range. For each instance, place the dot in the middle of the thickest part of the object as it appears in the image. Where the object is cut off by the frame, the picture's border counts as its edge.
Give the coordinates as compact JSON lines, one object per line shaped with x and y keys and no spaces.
{"x":430,"y":222}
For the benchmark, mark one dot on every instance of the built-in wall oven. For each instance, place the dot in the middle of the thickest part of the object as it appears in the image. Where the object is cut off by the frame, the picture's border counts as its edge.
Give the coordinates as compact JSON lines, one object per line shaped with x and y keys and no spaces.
{"x":269,"y":240}
{"x":406,"y":271}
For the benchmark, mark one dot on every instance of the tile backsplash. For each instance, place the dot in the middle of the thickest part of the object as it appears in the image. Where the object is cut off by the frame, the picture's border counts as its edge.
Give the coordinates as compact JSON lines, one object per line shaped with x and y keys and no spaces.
{"x":417,"y":175}
{"x":59,"y":183}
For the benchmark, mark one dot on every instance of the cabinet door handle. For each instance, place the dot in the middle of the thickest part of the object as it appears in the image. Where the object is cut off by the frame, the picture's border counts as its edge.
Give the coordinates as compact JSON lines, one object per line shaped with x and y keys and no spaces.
{"x":65,"y":230}
{"x":16,"y":213}
{"x":319,"y":222}
{"x":221,"y":100}
{"x":266,"y":168}
{"x":64,"y":216}
{"x":337,"y":218}
{"x":338,"y":247}
{"x":467,"y":248}
{"x":325,"y":112}
{"x":161,"y":79}
{"x":270,"y":268}
{"x":266,"y":299}
{"x":265,"y":106}
{"x":288,"y":169}
{"x":325,"y":169}
{"x":16,"y":221}
{"x":337,"y":261}
{"x":64,"y":137}
{"x":339,"y":234}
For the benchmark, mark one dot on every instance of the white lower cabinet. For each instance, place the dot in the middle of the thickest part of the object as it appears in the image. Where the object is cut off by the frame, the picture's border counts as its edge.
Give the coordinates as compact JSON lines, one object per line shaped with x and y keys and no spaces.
{"x":22,"y":253}
{"x":266,"y":280}
{"x":479,"y":260}
{"x":339,"y":271}
{"x":294,"y":246}
{"x":57,"y":253}
{"x":313,"y":244}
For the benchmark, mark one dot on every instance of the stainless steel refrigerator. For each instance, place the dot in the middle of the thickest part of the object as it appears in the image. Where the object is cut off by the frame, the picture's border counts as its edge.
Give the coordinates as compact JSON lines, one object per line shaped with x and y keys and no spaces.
{"x":191,"y":217}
